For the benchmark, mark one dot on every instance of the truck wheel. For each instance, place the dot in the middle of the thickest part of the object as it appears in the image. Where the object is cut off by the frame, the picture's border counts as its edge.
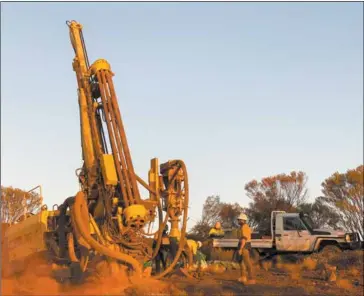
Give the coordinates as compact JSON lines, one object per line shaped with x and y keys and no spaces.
{"x":330,"y":250}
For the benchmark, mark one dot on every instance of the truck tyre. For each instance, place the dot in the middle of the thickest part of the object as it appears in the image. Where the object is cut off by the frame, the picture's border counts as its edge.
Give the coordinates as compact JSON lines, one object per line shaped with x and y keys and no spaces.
{"x":330,"y":250}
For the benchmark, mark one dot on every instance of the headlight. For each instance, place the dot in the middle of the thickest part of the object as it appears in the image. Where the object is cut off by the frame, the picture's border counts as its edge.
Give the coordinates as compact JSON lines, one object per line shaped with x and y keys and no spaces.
{"x":347,"y":238}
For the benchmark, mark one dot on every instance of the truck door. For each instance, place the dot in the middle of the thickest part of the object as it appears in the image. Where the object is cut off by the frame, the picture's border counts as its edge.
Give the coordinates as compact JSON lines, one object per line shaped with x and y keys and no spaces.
{"x":292,"y":235}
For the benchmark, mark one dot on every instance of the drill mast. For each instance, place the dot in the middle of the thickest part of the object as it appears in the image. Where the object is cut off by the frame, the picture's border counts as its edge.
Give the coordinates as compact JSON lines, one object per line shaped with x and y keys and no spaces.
{"x":98,"y":105}
{"x":109,"y":184}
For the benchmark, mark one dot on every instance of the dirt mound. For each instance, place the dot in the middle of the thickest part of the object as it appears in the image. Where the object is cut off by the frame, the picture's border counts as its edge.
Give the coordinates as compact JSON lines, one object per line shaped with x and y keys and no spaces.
{"x":40,"y":278}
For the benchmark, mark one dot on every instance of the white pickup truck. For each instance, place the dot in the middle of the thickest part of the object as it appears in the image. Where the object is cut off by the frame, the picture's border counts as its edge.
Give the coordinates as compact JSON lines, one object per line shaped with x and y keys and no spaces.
{"x":289,"y":233}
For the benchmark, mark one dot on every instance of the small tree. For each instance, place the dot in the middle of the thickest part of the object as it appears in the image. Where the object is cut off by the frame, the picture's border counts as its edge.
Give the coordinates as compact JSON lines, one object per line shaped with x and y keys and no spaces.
{"x":13,"y":201}
{"x":281,"y":192}
{"x":343,"y":192}
{"x":210,"y":214}
{"x":199,"y":231}
{"x":214,"y":210}
{"x":321,"y":214}
{"x":211,"y":210}
{"x":228,"y":214}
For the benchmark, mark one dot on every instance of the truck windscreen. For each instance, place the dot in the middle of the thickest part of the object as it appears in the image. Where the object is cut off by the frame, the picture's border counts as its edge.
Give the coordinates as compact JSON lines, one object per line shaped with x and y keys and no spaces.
{"x":308,"y":221}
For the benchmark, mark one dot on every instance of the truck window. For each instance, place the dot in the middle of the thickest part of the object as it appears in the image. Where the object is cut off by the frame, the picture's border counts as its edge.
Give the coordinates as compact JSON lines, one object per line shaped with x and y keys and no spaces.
{"x":293,"y":223}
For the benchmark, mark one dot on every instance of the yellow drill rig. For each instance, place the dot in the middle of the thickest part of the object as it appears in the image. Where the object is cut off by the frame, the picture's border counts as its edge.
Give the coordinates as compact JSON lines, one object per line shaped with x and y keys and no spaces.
{"x":107,"y":219}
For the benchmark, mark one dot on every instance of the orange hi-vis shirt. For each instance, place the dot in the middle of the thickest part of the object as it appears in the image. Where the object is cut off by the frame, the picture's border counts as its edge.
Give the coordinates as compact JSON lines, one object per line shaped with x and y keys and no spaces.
{"x":245,"y":233}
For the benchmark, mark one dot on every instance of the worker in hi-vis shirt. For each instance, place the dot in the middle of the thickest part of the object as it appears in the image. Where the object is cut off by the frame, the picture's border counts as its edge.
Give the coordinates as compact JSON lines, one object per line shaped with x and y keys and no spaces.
{"x":194,"y":246}
{"x":243,"y":252}
{"x":216,"y":231}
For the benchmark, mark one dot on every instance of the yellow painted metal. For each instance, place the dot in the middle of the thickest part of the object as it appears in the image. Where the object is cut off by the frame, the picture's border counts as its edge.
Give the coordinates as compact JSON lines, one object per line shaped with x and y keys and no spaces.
{"x":98,"y":65}
{"x":135,"y":212}
{"x":27,"y":237}
{"x":77,"y":44}
{"x":108,"y":169}
{"x":175,"y":232}
{"x":81,"y":68}
{"x":153,"y":178}
{"x":87,"y":146}
{"x":119,"y":218}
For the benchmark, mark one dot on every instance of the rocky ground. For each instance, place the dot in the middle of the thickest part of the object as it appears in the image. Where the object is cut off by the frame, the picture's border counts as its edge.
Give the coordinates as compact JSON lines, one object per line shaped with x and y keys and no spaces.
{"x":287,"y":276}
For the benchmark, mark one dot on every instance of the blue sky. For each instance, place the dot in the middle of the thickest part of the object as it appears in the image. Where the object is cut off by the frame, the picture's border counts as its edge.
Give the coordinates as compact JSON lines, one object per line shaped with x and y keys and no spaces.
{"x":237,"y":90}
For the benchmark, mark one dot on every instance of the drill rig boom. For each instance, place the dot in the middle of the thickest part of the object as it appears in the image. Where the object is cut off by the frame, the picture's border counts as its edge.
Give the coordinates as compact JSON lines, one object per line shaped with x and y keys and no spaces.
{"x":109,"y":184}
{"x":107,"y":218}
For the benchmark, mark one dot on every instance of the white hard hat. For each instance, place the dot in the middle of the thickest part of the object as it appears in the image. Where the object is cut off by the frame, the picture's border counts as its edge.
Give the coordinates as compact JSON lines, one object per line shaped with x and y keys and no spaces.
{"x":242,"y":216}
{"x":199,"y":244}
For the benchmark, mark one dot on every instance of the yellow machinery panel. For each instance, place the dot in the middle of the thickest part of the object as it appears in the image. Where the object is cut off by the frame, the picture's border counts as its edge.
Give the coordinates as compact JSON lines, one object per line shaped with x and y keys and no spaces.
{"x":135,"y":215}
{"x":27,"y":237}
{"x":153,"y":177}
{"x":108,"y":169}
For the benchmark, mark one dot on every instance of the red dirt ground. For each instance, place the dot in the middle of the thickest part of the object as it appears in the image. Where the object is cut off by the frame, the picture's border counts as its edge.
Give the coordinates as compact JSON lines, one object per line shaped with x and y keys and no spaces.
{"x":280,"y":278}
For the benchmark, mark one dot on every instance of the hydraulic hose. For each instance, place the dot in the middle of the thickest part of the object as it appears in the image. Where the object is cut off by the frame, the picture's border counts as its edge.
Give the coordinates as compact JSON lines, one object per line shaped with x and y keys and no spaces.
{"x":62,"y":224}
{"x":184,"y":225}
{"x":71,"y":248}
{"x":72,"y":254}
{"x":160,"y":221}
{"x":159,"y":240}
{"x":79,"y":211}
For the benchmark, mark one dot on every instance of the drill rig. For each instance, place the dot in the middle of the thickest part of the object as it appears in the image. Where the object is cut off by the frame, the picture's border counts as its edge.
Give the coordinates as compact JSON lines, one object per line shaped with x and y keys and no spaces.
{"x":108,"y":218}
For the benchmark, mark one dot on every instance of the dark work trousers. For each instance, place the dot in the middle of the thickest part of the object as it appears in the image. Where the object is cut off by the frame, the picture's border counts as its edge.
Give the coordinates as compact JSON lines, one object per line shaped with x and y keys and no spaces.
{"x":160,"y":258}
{"x":173,"y":246}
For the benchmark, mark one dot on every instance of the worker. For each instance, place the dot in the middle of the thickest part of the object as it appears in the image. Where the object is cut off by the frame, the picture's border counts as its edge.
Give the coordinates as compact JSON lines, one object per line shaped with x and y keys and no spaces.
{"x":161,"y":256}
{"x":216,"y":231}
{"x":243,"y":252}
{"x":194,"y":246}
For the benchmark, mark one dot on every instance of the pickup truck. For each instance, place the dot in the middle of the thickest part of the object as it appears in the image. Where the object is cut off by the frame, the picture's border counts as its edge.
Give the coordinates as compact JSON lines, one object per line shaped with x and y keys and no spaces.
{"x":288,"y":233}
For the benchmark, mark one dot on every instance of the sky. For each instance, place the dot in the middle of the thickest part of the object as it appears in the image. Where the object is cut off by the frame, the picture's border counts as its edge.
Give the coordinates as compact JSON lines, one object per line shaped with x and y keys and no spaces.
{"x":238,"y":91}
